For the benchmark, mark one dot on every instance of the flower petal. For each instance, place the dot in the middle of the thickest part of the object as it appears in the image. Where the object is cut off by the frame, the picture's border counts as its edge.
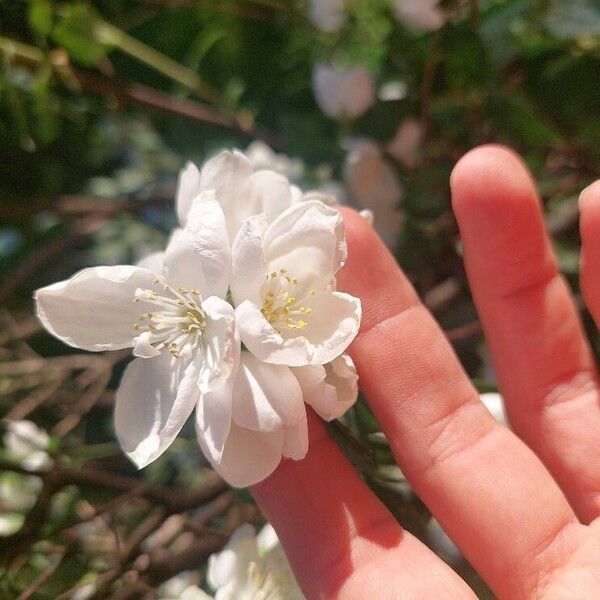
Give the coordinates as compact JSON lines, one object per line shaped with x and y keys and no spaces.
{"x":226,"y":173}
{"x":331,"y":327}
{"x":249,"y":456}
{"x":208,"y":231}
{"x":182,"y":267}
{"x":213,"y":419}
{"x":231,"y":564}
{"x":199,"y":255}
{"x":330,"y":389}
{"x":266,"y":397}
{"x":295,"y":441}
{"x":188,"y":186}
{"x":266,"y":192}
{"x":308,"y":240}
{"x":94,"y":309}
{"x":221,"y":344}
{"x":249,"y":269}
{"x":153,"y":402}
{"x":153,"y":262}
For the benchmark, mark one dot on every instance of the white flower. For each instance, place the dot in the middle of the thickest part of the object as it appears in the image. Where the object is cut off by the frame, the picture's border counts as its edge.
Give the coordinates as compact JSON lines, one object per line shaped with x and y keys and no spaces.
{"x":287,"y":247}
{"x":26,"y":444}
{"x":273,"y":252}
{"x":10,"y":523}
{"x":327,"y":15}
{"x":262,"y":156}
{"x":494,"y":402}
{"x":287,"y":309}
{"x":343,"y":93}
{"x":373,"y":183}
{"x":181,"y":587}
{"x":405,"y":143}
{"x":252,"y":567}
{"x":170,"y":310}
{"x":422,"y":15}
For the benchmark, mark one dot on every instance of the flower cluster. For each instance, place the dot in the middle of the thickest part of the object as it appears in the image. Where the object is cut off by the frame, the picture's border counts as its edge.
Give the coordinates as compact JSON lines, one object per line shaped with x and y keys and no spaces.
{"x":27,"y":445}
{"x":330,"y":16}
{"x":239,"y":318}
{"x":251,"y":567}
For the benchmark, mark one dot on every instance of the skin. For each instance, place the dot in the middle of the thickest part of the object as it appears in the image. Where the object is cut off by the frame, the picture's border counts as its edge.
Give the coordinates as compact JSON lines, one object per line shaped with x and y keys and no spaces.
{"x":522,"y":505}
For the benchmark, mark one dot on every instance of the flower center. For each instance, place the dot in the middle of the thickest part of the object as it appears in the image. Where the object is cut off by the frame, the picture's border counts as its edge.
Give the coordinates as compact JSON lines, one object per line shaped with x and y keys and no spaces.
{"x":281,"y":307}
{"x":177,"y":320}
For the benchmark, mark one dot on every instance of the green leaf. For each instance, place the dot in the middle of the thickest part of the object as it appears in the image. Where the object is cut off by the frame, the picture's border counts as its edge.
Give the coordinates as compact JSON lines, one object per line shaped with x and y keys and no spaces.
{"x":41,"y":16}
{"x":76,"y":32}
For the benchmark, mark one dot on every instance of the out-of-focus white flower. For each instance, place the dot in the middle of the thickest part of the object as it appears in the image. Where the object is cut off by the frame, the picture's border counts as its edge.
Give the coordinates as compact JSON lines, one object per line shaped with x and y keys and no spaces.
{"x":171,"y":310}
{"x":494,"y":402}
{"x":26,"y":444}
{"x":10,"y":523}
{"x":327,"y":15}
{"x":262,"y":156}
{"x":343,"y":93}
{"x":392,"y":91}
{"x":405,"y":143}
{"x":181,"y":587}
{"x":252,"y":567}
{"x":373,"y":183}
{"x":422,"y":15}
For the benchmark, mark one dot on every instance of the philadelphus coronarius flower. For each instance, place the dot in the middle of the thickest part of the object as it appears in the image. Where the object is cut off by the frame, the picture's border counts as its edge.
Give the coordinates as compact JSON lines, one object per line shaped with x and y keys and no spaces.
{"x":25,"y":444}
{"x":327,"y":15}
{"x":252,"y":567}
{"x":371,"y":180}
{"x":343,"y":93}
{"x":423,"y":15}
{"x":254,"y":262}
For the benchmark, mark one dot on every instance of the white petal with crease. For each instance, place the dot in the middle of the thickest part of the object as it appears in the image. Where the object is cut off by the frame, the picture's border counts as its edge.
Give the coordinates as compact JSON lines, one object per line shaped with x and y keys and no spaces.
{"x":213,"y":419}
{"x":330,"y":389}
{"x":154,"y":400}
{"x":188,"y":186}
{"x":226,"y":173}
{"x":295,"y":441}
{"x":266,"y":397}
{"x":220,"y":344}
{"x":249,"y":267}
{"x":94,"y":309}
{"x":153,"y":262}
{"x":249,"y":456}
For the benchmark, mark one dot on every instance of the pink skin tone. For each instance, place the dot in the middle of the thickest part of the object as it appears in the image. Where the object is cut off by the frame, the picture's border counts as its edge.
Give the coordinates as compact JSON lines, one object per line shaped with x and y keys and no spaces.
{"x":523,"y":507}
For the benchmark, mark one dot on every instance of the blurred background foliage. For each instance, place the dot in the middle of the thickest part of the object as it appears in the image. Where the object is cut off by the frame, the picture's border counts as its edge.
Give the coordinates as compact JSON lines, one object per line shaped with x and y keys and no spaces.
{"x":102,"y":102}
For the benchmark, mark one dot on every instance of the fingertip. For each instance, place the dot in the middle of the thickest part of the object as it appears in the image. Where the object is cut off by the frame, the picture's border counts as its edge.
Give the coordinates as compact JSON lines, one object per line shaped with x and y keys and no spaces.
{"x":490,"y":176}
{"x":589,"y":208}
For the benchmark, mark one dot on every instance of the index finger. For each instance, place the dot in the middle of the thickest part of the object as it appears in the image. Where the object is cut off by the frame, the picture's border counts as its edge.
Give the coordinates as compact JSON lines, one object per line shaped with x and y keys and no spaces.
{"x":341,"y":541}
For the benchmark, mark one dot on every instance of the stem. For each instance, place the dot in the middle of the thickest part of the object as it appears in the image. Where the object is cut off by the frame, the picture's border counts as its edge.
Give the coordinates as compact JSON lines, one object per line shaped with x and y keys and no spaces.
{"x":109,"y":34}
{"x":13,"y":48}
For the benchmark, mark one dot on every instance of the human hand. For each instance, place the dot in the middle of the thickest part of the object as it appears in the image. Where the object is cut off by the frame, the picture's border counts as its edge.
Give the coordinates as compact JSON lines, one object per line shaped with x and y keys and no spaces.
{"x":523,"y":507}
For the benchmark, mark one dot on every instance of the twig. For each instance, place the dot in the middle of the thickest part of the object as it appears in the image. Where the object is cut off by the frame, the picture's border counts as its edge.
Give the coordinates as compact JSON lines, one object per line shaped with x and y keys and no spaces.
{"x":35,"y":399}
{"x":43,"y":576}
{"x":474,"y":17}
{"x":56,"y":248}
{"x":135,"y":93}
{"x":173,"y":499}
{"x":464,"y":331}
